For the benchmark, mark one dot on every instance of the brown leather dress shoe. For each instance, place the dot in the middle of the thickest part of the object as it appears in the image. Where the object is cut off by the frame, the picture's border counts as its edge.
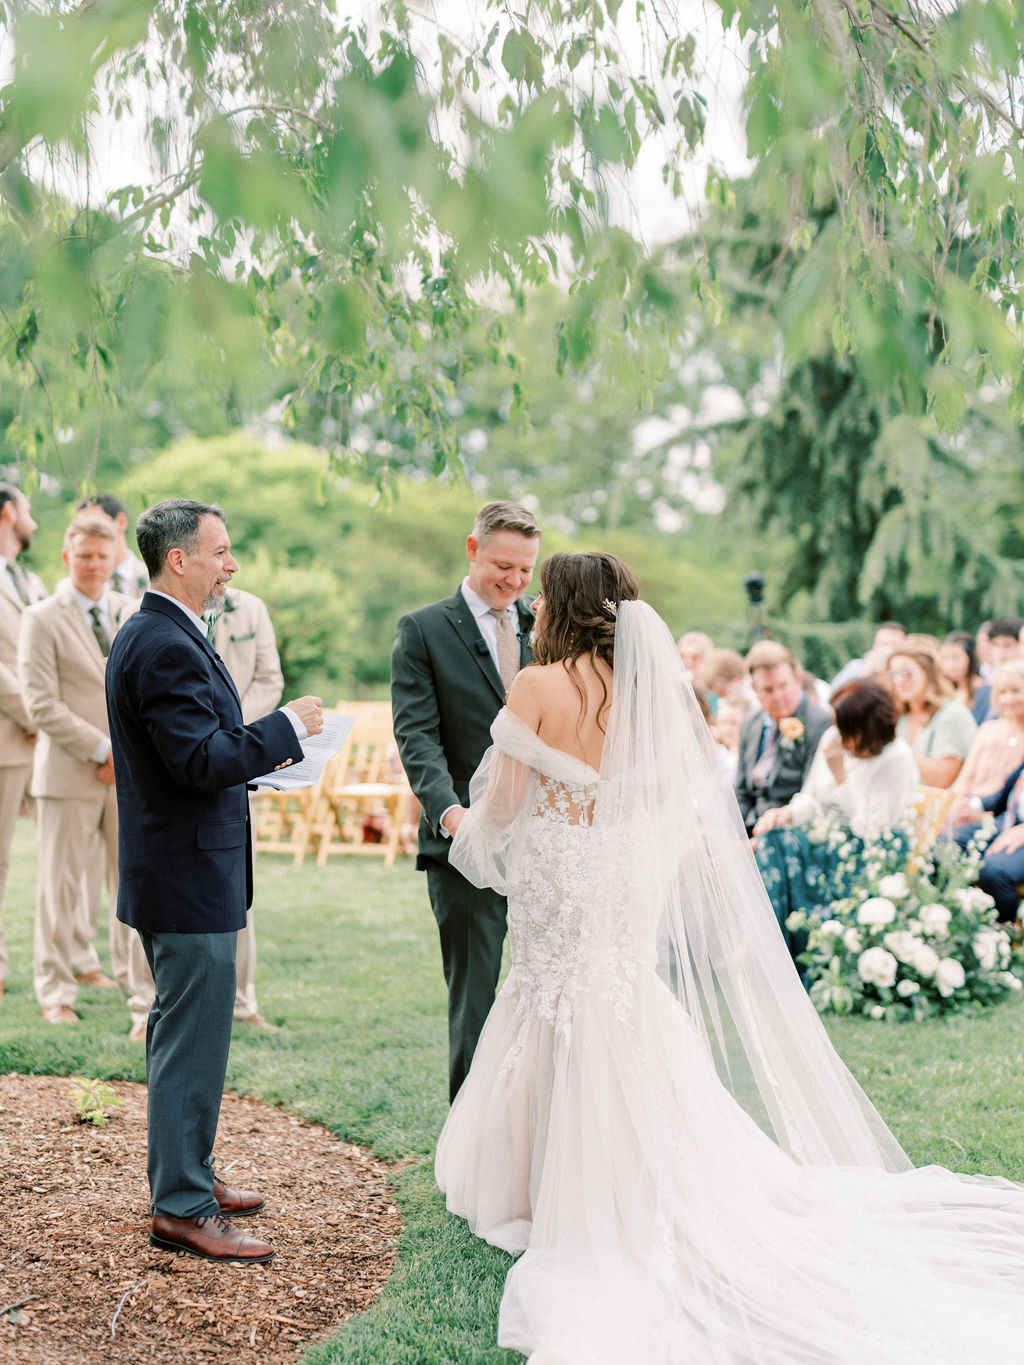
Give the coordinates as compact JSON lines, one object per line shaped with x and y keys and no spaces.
{"x":213,"y":1238}
{"x":236,"y":1203}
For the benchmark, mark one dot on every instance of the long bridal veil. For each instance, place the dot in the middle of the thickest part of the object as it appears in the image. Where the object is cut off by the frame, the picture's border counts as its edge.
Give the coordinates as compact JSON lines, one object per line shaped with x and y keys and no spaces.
{"x":720,"y":948}
{"x":655,"y":1116}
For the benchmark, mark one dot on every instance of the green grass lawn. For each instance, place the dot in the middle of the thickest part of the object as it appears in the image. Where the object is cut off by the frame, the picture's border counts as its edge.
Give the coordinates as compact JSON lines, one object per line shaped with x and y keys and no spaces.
{"x":350,"y":969}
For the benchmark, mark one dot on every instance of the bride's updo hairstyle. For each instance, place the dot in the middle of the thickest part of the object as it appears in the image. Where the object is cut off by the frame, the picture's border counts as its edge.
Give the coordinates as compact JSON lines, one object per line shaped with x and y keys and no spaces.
{"x":581,"y":595}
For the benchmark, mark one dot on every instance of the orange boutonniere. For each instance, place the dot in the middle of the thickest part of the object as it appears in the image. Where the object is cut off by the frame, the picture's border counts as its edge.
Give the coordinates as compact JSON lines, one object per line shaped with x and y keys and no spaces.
{"x":791,"y":729}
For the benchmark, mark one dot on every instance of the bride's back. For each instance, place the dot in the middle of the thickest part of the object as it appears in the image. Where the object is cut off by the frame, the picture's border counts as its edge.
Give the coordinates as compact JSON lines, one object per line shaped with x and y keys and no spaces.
{"x":548,"y":698}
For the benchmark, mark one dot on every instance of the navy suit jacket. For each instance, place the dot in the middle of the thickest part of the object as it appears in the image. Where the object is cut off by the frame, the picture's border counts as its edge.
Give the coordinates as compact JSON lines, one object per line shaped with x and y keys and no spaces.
{"x":445,"y":694}
{"x":182,"y":758}
{"x":997,"y":802}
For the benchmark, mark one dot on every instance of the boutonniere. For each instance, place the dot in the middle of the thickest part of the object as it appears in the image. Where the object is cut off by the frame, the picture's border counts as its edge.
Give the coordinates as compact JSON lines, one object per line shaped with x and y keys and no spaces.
{"x":791,"y":731}
{"x":230,"y":604}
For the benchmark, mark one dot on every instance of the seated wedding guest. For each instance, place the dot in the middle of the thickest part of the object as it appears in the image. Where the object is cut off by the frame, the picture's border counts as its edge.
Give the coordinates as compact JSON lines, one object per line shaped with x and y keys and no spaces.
{"x":1003,"y":636}
{"x":960,"y":669}
{"x":887,"y":636}
{"x":939,"y":729}
{"x":694,"y":648}
{"x":999,"y":745}
{"x":778,"y":742}
{"x":729,"y":721}
{"x":726,"y":675}
{"x":1002,"y":869}
{"x":863,"y":775}
{"x":725,"y":761}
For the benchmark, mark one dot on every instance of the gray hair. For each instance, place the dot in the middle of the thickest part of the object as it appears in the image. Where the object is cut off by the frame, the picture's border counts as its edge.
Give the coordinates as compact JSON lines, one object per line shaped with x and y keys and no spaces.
{"x":495,"y":517}
{"x":171,"y":525}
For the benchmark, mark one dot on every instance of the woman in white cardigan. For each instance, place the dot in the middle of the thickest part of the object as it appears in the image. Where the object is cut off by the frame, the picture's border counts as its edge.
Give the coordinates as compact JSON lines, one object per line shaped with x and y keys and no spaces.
{"x":862,"y":776}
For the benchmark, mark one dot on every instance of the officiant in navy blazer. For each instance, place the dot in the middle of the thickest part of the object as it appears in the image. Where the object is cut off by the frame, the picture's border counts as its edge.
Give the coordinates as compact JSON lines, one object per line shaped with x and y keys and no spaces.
{"x":182,"y":758}
{"x":451,"y":665}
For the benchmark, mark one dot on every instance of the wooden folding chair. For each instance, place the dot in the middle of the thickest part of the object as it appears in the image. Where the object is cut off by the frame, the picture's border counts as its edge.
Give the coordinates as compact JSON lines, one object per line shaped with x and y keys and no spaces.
{"x":362,"y":793}
{"x":931,"y":806}
{"x":283,"y":821}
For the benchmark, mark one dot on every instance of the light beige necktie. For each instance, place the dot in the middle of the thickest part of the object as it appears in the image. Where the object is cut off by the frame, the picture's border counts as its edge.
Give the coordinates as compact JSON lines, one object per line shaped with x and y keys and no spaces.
{"x":508,"y":646}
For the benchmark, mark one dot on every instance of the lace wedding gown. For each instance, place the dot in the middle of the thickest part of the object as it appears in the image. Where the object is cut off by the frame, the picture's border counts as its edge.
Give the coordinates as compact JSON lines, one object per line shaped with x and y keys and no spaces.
{"x":655,"y":1117}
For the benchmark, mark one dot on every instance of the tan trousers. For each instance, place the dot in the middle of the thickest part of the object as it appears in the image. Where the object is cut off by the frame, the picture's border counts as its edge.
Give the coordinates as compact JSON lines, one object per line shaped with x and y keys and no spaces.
{"x":71,"y":832}
{"x":245,"y":971}
{"x":13,"y":786}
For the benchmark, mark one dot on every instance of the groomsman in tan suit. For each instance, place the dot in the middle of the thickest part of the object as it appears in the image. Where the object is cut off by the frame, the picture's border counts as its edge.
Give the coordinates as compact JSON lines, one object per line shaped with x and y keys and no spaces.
{"x":243,"y":637}
{"x":18,"y":588}
{"x":129,"y":577}
{"x":62,"y":660}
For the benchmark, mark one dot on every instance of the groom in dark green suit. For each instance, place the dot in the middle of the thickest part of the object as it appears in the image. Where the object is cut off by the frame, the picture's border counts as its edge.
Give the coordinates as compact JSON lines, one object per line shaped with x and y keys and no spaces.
{"x":451,"y":666}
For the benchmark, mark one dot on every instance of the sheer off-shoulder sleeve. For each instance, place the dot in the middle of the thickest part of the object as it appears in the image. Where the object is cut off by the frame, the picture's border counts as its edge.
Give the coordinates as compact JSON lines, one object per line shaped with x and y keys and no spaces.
{"x":502,"y":793}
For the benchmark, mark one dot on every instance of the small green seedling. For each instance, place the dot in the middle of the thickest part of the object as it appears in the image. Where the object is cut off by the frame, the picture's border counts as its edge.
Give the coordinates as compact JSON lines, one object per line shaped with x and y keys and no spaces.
{"x":93,"y":1099}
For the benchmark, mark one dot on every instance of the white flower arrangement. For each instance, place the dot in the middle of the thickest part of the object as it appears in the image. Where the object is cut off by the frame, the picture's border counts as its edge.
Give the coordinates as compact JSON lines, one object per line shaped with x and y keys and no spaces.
{"x":907,"y":934}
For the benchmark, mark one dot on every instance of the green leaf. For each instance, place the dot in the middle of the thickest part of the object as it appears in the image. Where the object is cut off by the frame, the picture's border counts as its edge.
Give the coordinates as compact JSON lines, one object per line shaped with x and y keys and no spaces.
{"x":947,"y":398}
{"x":521,"y":57}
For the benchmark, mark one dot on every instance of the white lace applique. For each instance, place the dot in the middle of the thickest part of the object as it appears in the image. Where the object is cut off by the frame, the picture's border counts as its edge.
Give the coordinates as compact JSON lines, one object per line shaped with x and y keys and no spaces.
{"x":562,"y":943}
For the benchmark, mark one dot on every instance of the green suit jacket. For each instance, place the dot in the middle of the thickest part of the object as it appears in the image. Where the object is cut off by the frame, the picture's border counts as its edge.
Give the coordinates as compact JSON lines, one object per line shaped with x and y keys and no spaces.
{"x":445,"y":694}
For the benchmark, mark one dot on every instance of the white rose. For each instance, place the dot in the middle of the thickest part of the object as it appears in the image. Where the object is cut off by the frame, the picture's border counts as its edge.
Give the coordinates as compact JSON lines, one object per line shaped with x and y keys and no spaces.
{"x":852,"y":941}
{"x":935,"y":920}
{"x":949,"y":976}
{"x":907,"y":988}
{"x":895,"y":886}
{"x":986,"y":948}
{"x":973,"y":899}
{"x":877,"y":967}
{"x":1008,"y":979}
{"x":913,"y":926}
{"x":877,"y":1012}
{"x":901,"y":944}
{"x":876,"y":910}
{"x":831,"y":926}
{"x":925,"y":960}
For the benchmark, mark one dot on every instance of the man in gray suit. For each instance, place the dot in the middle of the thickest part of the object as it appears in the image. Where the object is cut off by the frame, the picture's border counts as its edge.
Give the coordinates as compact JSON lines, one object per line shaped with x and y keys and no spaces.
{"x":451,"y":667}
{"x":777,"y":742}
{"x":19,"y":588}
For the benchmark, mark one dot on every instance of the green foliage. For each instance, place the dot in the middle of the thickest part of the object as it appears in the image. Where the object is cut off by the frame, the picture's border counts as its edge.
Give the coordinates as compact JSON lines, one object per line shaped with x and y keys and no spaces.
{"x":93,"y":1099}
{"x":321,"y":203}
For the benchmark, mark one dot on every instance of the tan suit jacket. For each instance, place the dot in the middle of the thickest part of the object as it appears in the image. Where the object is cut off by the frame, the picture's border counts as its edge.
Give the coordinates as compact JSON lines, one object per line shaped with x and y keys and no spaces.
{"x":244,"y":639}
{"x":62,"y":673}
{"x":16,"y":749}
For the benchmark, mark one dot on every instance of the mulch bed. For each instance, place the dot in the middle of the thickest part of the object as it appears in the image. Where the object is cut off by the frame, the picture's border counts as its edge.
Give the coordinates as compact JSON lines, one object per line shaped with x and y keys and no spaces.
{"x":80,"y":1284}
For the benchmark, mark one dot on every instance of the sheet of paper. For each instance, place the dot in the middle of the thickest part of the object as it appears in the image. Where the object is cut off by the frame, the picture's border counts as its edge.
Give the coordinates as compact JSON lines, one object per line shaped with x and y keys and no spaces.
{"x":317,"y":751}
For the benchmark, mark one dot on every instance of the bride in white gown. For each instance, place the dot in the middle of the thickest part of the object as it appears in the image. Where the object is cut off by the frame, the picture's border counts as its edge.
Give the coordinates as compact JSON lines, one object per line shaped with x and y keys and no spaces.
{"x":655,"y":1116}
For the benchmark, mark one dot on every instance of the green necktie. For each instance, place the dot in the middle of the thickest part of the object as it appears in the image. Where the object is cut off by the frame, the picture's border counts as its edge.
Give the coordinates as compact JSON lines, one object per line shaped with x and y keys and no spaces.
{"x":102,"y":639}
{"x":19,"y":580}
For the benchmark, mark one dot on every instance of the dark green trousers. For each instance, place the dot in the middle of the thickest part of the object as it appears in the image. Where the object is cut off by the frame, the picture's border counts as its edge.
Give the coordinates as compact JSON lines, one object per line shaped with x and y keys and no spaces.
{"x":472,"y":925}
{"x":187,"y":1041}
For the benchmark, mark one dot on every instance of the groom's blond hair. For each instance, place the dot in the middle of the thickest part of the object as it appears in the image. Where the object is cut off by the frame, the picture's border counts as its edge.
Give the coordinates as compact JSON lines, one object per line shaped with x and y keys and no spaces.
{"x":494,"y":517}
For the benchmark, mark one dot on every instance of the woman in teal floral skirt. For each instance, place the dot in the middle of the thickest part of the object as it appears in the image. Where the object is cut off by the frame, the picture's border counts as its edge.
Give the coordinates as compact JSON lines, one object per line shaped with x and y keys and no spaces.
{"x":863,"y":777}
